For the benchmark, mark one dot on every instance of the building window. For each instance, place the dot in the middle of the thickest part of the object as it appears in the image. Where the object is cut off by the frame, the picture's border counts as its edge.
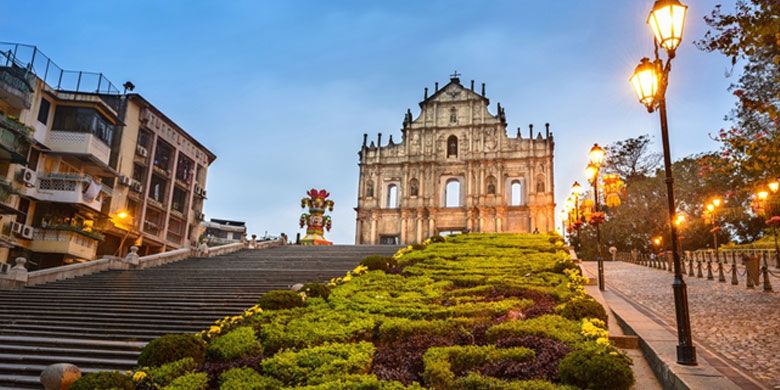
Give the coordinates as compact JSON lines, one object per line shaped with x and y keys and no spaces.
{"x":392,"y":196}
{"x":453,"y":115}
{"x":452,"y":193}
{"x":491,"y":185}
{"x":414,"y":187}
{"x":83,"y":120}
{"x":452,"y":146}
{"x":185,"y":169}
{"x":163,"y":156}
{"x":516,"y":195}
{"x":157,"y":189}
{"x":43,"y":111}
{"x":179,"y":200}
{"x":370,"y":189}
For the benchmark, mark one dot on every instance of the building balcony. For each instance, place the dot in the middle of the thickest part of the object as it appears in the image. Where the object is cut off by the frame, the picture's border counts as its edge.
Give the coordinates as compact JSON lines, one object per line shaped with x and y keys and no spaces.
{"x":82,"y":144}
{"x":15,"y":140}
{"x":16,"y":86}
{"x":67,"y":188}
{"x":68,"y":242}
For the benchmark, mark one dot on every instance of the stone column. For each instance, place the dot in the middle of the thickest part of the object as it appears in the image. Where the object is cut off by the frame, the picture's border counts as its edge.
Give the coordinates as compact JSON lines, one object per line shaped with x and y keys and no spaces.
{"x":373,"y":239}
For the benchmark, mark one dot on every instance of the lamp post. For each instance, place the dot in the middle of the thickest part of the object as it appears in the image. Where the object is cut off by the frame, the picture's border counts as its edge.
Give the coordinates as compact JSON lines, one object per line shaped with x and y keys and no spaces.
{"x":771,"y":213}
{"x":596,"y":158}
{"x":650,"y":80}
{"x":712,"y":212}
{"x":576,"y":191}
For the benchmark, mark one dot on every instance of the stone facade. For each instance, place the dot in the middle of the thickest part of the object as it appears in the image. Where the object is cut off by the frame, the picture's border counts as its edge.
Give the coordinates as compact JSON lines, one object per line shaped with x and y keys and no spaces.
{"x":455,"y":169}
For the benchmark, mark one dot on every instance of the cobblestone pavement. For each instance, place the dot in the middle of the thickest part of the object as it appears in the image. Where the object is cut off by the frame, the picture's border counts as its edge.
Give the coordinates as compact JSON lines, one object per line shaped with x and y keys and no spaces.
{"x":741,"y":324}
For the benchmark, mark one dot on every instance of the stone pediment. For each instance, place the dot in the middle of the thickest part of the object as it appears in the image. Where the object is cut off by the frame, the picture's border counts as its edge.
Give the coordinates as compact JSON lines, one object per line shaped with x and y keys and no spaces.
{"x":454,"y":91}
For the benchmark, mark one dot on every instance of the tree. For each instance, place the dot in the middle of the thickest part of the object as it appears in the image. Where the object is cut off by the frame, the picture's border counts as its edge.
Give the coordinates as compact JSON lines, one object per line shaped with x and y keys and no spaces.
{"x":751,"y":35}
{"x":632,"y":158}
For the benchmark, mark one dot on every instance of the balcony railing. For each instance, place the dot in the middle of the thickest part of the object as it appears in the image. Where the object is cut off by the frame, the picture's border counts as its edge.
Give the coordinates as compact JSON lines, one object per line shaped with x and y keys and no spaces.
{"x":65,"y":188}
{"x":15,"y":83}
{"x":65,"y":242}
{"x":79,"y":143}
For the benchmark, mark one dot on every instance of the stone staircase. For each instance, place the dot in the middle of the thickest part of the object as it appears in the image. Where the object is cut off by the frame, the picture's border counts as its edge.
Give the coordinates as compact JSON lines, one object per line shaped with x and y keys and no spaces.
{"x":101,"y":321}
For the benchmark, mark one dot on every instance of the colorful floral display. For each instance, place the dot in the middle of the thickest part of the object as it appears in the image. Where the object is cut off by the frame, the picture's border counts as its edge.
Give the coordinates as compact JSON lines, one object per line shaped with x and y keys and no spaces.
{"x":315,"y":221}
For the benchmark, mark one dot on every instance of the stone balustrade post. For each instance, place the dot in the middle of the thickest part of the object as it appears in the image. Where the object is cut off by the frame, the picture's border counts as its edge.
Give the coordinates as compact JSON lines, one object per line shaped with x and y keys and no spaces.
{"x":132,"y":257}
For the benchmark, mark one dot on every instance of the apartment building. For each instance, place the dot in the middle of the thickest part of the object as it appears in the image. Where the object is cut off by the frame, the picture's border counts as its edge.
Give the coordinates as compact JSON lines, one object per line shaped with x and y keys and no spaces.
{"x":224,"y":231}
{"x":89,"y":170}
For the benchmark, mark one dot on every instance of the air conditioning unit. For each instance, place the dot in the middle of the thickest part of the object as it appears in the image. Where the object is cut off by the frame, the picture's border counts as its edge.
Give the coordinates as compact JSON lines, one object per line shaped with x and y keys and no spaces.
{"x":27,"y":176}
{"x":17,"y":227}
{"x":198,"y":190}
{"x":124,"y":180}
{"x":199,"y":216}
{"x":27,"y":232}
{"x":141,"y":151}
{"x":137,"y":187}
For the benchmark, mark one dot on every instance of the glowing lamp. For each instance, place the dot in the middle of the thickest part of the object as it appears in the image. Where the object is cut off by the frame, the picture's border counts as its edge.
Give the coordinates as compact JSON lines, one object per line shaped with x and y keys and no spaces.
{"x":596,"y":155}
{"x":710,"y":207}
{"x":762,"y":195}
{"x":122,"y":214}
{"x":645,"y":81}
{"x":576,"y":188}
{"x":591,"y":172}
{"x":657,"y":241}
{"x":667,"y":20}
{"x":774,"y":186}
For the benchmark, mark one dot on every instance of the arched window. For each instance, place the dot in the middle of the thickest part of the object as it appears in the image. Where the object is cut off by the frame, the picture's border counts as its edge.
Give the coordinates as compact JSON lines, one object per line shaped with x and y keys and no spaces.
{"x":491,"y":185}
{"x":414,"y":187}
{"x":452,"y":193}
{"x":540,"y":184}
{"x":453,"y":115}
{"x":392,"y":196}
{"x":452,"y":146}
{"x":370,"y":189}
{"x":516,"y":196}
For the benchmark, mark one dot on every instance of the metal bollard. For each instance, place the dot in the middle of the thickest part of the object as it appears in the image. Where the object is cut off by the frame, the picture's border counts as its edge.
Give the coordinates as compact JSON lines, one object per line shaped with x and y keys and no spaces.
{"x":709,"y":269}
{"x":690,"y":267}
{"x":699,"y":274}
{"x":734,"y":279}
{"x":721,"y":276}
{"x":765,"y":272}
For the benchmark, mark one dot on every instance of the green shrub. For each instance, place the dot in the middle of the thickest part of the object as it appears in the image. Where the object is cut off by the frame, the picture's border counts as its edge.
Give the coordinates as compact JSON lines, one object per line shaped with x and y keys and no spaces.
{"x":582,"y":307}
{"x":172,"y":347}
{"x":379,"y":263}
{"x":166,"y":373}
{"x":280,"y":299}
{"x":437,"y":238}
{"x":418,"y":247}
{"x":319,"y":364}
{"x":310,"y":326}
{"x":246,"y":379}
{"x":192,"y":381}
{"x":316,"y":290}
{"x":361,"y":382}
{"x":564,"y":264}
{"x":474,"y":381}
{"x":596,"y":367}
{"x":549,"y":326}
{"x":444,"y":364}
{"x":103,"y":380}
{"x":239,"y":343}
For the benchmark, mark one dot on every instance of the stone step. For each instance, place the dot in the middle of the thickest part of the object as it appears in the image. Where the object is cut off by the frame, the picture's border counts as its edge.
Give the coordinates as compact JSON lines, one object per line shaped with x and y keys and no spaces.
{"x":14,"y":381}
{"x":89,"y":329}
{"x":83,"y":352}
{"x":56,"y":321}
{"x":46,"y":360}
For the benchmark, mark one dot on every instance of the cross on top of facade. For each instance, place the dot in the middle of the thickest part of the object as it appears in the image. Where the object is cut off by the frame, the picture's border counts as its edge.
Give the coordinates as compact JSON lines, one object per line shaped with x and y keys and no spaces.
{"x":455,"y":75}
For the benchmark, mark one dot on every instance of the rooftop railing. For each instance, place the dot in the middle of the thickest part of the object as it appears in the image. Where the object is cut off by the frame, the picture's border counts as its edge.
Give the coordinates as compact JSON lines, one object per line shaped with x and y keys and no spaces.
{"x":29,"y":57}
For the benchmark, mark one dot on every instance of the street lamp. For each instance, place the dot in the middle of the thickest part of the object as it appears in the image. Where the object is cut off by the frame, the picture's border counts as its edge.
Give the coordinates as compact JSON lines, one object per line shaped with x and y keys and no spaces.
{"x":712,"y":214}
{"x":596,"y":158}
{"x":650,"y":80}
{"x":771,"y":213}
{"x":576,"y":191}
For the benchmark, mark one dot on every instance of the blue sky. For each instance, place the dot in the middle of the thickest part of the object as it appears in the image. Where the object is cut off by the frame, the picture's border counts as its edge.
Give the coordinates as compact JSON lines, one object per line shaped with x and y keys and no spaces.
{"x":283,"y":91}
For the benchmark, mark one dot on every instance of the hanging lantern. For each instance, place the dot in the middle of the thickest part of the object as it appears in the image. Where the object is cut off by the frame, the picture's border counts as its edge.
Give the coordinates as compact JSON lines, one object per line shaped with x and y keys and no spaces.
{"x":586,"y":209}
{"x":612,"y":200}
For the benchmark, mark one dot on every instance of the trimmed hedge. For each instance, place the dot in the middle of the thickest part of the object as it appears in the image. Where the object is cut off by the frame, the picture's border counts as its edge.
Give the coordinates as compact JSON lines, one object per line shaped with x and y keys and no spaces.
{"x":379,"y":263}
{"x":172,"y":347}
{"x":582,"y":307}
{"x":319,"y":364}
{"x":595,"y":367}
{"x":239,"y":343}
{"x":103,"y":380}
{"x":246,"y":379}
{"x":280,"y":299}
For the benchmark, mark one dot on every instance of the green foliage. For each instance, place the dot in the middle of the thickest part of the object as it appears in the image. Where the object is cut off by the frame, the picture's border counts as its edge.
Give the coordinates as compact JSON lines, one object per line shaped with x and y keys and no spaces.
{"x":172,"y":347}
{"x":246,"y":379}
{"x":103,"y":380}
{"x":310,"y":326}
{"x":280,"y":299}
{"x":316,"y":290}
{"x":192,"y":381}
{"x":437,"y":238}
{"x":548,"y":326}
{"x":444,"y":364}
{"x":582,"y":307}
{"x":596,"y":367}
{"x":166,"y":373}
{"x":319,"y":364}
{"x":381,"y":263}
{"x":360,"y":382}
{"x":239,"y":343}
{"x":474,"y":381}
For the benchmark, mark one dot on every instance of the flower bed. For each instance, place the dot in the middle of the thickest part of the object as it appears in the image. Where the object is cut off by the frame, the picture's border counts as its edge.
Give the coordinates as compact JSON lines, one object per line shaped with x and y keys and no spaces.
{"x":474,"y":311}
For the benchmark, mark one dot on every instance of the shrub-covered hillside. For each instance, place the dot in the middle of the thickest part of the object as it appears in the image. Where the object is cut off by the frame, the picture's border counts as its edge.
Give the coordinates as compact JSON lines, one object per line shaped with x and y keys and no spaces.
{"x":474,"y":311}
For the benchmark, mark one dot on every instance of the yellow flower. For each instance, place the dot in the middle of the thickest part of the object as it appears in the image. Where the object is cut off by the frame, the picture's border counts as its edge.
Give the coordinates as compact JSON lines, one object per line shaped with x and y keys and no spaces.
{"x":602,"y":341}
{"x":139,"y":376}
{"x":215,"y":330}
{"x":347,"y":278}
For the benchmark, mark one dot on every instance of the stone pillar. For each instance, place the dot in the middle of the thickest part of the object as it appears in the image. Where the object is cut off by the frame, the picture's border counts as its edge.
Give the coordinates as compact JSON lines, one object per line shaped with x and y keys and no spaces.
{"x":16,"y":277}
{"x":403,"y":228}
{"x":373,"y":240}
{"x":132,"y":258}
{"x":419,"y":229}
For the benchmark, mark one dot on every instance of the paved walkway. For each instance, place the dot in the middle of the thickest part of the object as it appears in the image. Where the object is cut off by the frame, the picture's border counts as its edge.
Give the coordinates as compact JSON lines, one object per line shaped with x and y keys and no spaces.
{"x":742,"y":325}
